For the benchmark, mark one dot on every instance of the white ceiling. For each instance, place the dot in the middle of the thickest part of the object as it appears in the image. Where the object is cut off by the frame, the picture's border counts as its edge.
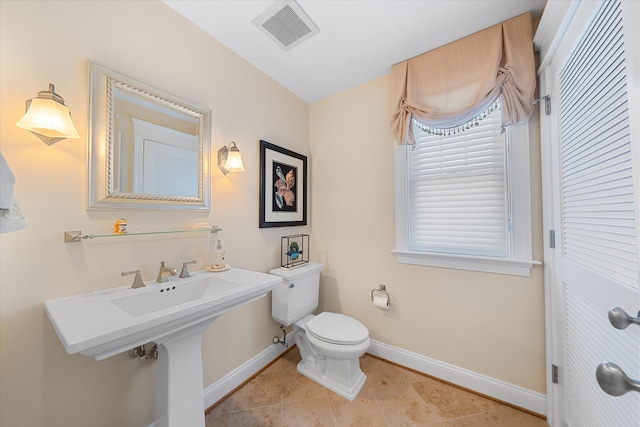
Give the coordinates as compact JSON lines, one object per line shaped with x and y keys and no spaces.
{"x":359,"y":40}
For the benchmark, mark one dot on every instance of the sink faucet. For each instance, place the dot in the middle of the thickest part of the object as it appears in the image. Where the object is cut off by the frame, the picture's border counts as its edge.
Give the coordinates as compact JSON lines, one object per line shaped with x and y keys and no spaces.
{"x":185,"y":269}
{"x":137,"y":282}
{"x":163,"y":274}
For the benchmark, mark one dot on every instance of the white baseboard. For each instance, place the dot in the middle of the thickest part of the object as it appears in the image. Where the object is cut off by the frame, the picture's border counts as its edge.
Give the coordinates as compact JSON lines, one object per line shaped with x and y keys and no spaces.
{"x":225,"y":385}
{"x":518,"y":396}
{"x":506,"y":392}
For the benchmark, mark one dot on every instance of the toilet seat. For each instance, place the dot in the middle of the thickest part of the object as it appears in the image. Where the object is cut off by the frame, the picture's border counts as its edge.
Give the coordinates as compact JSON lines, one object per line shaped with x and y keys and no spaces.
{"x":337,"y":328}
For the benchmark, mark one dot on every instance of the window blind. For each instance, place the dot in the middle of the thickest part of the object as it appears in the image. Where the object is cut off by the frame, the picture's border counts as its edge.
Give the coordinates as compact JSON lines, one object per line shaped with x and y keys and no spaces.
{"x":457,"y":191}
{"x":169,"y":169}
{"x":598,"y":212}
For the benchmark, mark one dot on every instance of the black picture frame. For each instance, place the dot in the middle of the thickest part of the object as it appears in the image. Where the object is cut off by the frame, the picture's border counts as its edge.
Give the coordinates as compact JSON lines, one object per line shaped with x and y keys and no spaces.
{"x":283,"y":187}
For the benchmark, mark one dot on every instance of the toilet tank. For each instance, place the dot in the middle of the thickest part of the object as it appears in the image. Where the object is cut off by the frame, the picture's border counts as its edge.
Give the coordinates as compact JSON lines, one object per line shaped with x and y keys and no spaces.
{"x":297,"y":295}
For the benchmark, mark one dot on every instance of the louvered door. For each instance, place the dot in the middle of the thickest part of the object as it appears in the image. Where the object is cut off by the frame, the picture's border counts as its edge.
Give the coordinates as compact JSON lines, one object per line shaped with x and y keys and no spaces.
{"x":595,"y":150}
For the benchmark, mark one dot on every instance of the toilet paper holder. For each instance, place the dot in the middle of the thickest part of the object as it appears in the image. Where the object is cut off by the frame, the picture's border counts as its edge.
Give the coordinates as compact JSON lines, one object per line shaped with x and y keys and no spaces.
{"x":382,"y":289}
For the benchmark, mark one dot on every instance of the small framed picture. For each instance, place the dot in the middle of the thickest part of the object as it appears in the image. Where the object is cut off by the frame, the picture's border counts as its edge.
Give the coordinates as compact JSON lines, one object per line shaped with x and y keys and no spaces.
{"x":294,"y":250}
{"x":283,"y":187}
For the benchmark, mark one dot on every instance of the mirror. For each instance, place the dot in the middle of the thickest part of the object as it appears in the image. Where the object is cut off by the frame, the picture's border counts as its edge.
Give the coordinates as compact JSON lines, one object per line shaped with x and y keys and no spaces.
{"x":148,"y":149}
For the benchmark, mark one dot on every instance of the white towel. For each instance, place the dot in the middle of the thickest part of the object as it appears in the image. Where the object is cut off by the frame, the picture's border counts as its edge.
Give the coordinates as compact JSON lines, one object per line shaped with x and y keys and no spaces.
{"x":11,"y":217}
{"x":7,"y":179}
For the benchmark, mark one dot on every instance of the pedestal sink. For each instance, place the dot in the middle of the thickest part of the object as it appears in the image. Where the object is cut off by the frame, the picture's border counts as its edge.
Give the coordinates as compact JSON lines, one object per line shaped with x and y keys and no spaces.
{"x":174,"y":315}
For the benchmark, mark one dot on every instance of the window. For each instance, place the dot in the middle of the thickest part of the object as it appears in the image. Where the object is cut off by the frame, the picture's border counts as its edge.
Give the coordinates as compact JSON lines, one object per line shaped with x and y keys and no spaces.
{"x":463,"y":198}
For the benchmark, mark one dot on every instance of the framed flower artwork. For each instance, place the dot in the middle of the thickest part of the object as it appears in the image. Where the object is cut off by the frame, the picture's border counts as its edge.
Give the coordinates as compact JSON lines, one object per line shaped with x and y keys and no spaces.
{"x":283,"y":187}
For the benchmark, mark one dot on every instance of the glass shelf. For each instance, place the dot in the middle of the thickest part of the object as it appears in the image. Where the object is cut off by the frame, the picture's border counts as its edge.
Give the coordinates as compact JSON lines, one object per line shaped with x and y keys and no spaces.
{"x":77,"y":236}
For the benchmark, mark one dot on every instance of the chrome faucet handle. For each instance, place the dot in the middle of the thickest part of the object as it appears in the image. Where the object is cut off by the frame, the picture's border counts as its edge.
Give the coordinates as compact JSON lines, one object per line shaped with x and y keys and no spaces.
{"x":137,"y":281}
{"x":164,"y":269}
{"x":185,"y":270}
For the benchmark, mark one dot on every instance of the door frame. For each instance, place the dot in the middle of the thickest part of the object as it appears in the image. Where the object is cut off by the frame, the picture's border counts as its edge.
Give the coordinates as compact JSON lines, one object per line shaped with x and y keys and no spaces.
{"x":553,"y":26}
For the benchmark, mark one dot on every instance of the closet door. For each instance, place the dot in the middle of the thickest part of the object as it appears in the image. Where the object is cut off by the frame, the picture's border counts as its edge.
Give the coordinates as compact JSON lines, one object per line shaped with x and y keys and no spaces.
{"x":594,"y":150}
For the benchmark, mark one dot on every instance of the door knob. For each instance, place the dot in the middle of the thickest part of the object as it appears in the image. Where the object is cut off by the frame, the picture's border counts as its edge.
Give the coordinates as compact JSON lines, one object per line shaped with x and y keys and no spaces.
{"x":614,"y":381}
{"x":620,"y":319}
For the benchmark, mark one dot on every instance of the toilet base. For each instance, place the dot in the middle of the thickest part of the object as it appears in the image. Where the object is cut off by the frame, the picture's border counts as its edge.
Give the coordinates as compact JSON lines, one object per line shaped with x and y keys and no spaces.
{"x":315,"y":373}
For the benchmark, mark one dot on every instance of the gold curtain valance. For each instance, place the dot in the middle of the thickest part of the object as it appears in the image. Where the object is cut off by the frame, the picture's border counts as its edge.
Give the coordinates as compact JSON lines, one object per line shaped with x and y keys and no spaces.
{"x":452,"y":85}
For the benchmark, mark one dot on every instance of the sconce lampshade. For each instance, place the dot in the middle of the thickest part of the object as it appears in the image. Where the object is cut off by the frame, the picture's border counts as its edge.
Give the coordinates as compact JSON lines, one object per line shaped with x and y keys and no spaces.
{"x":234,"y":159}
{"x":230,"y":159}
{"x":48,"y":118}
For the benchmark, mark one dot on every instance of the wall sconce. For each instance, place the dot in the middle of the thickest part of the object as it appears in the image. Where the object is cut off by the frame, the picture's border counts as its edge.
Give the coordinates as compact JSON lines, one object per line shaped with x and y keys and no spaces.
{"x":48,"y":118}
{"x":229,"y":159}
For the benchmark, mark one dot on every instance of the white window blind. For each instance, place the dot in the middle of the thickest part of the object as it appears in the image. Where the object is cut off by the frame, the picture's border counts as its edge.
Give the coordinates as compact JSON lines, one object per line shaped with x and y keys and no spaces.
{"x":169,"y":170}
{"x":598,"y":213}
{"x":457,"y":191}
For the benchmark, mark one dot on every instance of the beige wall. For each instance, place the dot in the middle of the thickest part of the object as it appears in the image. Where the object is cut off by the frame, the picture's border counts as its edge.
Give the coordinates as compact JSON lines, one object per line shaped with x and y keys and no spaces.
{"x":488,"y":323}
{"x":42,"y":42}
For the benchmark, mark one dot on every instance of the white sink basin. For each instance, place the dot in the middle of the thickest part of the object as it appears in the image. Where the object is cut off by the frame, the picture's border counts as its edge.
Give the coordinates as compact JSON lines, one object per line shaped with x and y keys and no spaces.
{"x":173,"y":314}
{"x":165,"y":297}
{"x":101,"y":324}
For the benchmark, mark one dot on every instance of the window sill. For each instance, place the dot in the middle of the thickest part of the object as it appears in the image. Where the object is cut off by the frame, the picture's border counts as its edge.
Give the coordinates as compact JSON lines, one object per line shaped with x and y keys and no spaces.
{"x":515,"y":267}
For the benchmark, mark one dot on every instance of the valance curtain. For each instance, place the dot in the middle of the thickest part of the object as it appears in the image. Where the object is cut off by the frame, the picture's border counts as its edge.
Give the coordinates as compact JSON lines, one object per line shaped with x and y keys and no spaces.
{"x":450,"y":87}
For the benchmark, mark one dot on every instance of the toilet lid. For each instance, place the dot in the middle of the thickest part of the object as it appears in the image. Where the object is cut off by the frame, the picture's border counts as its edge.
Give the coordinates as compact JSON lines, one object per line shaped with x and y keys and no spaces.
{"x":337,"y":329}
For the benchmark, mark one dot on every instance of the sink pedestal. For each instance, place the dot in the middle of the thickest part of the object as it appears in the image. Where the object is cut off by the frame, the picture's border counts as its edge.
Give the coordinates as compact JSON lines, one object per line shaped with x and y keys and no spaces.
{"x":179,"y":384}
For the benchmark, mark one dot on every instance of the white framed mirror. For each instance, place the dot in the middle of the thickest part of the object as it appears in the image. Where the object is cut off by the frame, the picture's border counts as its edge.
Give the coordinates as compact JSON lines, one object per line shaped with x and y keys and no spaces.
{"x":148,"y":149}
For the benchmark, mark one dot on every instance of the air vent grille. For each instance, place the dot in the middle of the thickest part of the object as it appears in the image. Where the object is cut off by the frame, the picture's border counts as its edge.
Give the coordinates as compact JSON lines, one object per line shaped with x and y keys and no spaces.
{"x":286,"y":23}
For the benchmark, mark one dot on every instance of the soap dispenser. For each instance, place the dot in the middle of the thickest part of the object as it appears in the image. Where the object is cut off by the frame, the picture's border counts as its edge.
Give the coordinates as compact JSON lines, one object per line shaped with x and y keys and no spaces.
{"x":218,"y":256}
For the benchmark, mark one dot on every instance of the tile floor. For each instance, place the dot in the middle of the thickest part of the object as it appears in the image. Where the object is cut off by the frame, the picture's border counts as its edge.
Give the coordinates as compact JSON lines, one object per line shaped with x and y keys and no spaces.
{"x":392,"y":396}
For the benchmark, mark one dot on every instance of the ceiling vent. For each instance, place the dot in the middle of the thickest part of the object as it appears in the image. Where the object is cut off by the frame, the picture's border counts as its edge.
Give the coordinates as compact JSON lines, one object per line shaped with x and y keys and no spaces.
{"x":286,"y":23}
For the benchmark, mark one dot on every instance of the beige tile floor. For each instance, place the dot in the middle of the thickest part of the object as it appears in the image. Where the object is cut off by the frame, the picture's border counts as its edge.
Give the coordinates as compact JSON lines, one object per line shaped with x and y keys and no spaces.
{"x":392,"y":396}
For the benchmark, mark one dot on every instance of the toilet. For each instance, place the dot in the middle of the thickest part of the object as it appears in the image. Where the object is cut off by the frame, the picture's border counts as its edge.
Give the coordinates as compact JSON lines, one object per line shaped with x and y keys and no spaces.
{"x":330,"y":344}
